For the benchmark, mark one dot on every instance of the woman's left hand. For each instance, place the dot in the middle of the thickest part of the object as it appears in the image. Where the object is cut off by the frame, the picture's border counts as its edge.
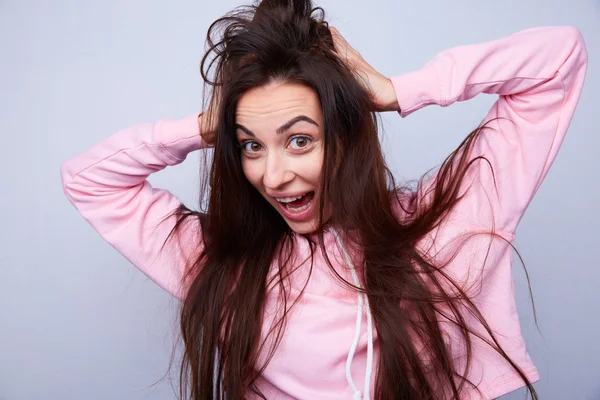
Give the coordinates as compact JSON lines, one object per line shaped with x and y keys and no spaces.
{"x":381,"y":88}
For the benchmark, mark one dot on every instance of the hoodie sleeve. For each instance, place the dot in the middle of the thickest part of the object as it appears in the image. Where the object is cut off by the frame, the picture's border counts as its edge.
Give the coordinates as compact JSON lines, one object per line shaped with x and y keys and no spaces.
{"x":107,"y":185}
{"x":538,"y":74}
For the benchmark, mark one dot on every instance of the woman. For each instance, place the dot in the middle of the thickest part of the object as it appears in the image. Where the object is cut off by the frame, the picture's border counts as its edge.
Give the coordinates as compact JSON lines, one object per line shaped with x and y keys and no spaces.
{"x":311,"y":274}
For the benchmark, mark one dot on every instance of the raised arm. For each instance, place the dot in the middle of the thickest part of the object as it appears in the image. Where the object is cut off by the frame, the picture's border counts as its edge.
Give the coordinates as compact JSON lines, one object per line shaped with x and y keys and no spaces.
{"x":107,"y":184}
{"x":538,"y":74}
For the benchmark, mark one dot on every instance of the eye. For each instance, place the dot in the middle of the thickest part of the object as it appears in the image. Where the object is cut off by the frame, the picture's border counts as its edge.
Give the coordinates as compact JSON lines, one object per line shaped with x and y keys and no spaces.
{"x":300,"y":142}
{"x":251,"y":147}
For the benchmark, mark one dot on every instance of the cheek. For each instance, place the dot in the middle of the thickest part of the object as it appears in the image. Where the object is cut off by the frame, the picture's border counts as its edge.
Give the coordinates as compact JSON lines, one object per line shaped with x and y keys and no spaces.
{"x":316,"y":166}
{"x":310,"y":167}
{"x":314,"y":172}
{"x":252,"y":171}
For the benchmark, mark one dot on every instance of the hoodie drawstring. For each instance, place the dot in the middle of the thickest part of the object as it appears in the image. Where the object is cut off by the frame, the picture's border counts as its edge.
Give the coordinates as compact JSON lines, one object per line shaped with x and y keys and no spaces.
{"x":362,"y":300}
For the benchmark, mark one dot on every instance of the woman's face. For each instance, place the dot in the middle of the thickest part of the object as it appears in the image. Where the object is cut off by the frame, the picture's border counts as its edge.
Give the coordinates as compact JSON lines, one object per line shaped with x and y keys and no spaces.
{"x":280,"y":130}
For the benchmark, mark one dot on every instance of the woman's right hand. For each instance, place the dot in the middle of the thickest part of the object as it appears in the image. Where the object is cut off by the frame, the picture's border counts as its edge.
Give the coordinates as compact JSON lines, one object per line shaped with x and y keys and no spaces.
{"x":207,"y":120}
{"x":206,"y":131}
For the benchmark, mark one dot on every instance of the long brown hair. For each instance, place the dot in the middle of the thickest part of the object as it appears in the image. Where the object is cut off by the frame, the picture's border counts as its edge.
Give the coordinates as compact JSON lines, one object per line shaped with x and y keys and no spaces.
{"x":228,"y":283}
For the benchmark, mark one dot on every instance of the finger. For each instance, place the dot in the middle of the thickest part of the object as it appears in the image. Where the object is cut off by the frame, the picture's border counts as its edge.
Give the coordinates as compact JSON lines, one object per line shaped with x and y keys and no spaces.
{"x":342,"y":40}
{"x":335,"y":32}
{"x":342,"y":47}
{"x":338,"y":39}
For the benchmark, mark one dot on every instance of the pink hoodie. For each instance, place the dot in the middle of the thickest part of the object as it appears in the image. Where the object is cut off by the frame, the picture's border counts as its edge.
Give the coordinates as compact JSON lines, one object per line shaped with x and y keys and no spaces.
{"x":326,"y":352}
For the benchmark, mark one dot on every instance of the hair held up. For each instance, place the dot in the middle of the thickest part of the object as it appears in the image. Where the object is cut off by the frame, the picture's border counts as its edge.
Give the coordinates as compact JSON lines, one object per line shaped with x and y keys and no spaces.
{"x":247,"y":249}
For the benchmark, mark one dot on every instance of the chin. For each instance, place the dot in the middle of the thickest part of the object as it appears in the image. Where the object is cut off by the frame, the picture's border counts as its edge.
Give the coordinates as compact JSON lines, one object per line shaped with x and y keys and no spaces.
{"x":305,"y":227}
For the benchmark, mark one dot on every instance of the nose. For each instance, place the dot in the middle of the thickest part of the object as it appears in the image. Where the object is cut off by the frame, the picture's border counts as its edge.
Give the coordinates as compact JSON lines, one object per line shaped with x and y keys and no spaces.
{"x":277,"y":172}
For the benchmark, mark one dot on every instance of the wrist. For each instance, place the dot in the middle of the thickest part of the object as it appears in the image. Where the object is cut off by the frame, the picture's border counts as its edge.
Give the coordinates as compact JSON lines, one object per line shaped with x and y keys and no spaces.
{"x":389,"y":101}
{"x":206,"y":130}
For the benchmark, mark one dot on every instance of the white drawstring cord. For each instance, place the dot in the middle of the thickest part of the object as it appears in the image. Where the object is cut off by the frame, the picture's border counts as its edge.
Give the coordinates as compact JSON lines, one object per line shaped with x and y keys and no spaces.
{"x":369,"y":349}
{"x":357,"y":329}
{"x":362,"y":299}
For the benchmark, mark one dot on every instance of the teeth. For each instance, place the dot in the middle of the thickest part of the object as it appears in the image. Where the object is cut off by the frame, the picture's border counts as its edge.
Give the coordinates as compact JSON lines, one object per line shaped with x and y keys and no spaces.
{"x":288,"y":199}
{"x":304,"y":207}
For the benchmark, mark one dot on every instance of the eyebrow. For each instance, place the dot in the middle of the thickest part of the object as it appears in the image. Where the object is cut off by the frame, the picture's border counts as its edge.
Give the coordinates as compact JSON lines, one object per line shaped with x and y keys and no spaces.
{"x":283,"y":127}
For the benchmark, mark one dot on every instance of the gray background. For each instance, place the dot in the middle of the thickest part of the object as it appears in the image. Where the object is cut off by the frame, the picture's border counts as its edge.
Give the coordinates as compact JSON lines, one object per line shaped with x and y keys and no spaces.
{"x":77,"y":321}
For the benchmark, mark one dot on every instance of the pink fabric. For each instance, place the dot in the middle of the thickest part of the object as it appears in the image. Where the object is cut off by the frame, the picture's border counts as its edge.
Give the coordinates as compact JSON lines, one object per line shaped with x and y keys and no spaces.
{"x":538,"y":75}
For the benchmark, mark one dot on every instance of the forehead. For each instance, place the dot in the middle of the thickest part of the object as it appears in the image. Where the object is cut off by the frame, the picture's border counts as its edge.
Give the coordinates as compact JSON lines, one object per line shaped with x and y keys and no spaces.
{"x":276,"y":103}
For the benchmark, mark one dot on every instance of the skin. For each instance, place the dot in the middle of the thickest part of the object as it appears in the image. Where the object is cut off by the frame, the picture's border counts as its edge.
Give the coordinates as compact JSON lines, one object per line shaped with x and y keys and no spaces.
{"x":289,"y":163}
{"x":282,"y":162}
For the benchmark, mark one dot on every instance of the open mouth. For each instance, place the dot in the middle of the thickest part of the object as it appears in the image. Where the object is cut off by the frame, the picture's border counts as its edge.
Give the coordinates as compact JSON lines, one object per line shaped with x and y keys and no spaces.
{"x":297,"y":204}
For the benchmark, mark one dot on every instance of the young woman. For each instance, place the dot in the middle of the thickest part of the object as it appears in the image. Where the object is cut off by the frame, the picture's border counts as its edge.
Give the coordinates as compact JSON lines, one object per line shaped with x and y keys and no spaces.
{"x":311,"y":274}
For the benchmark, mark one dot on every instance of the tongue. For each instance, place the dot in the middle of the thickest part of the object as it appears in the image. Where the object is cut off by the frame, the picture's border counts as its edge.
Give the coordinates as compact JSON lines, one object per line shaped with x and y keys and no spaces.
{"x":302,"y":201}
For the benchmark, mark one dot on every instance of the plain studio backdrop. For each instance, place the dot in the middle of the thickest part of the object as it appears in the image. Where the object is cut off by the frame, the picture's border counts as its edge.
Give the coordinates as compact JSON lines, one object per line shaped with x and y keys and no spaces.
{"x":77,"y":321}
